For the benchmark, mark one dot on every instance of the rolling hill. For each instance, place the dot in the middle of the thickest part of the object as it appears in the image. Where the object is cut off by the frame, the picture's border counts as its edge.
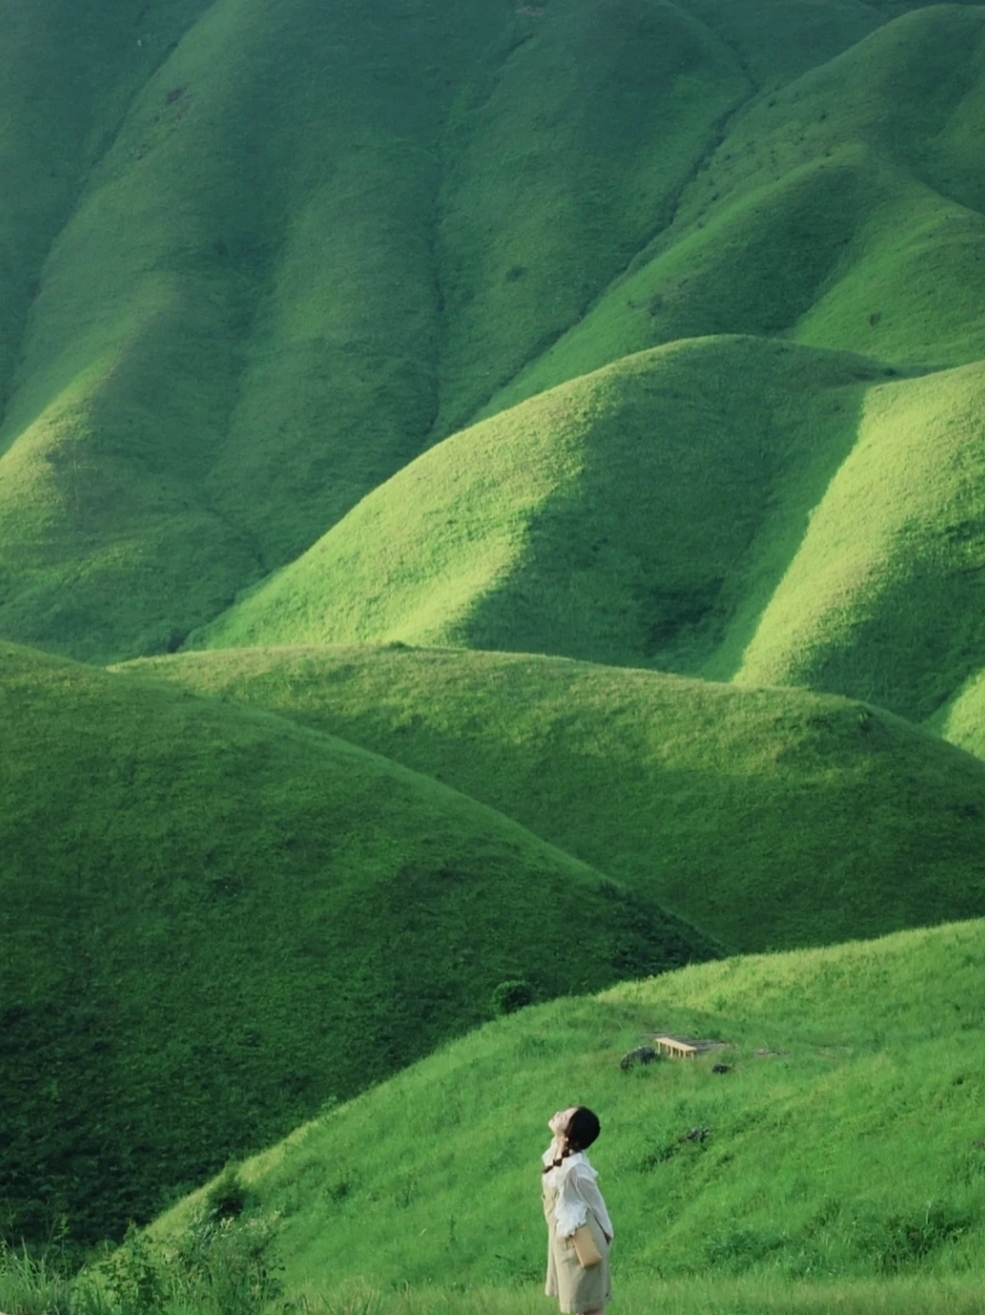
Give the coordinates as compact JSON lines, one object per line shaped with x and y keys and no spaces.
{"x":678,"y":510}
{"x":214,"y":921}
{"x":553,"y":433}
{"x":725,"y":507}
{"x":259,"y":261}
{"x":276,"y":249}
{"x":623,"y":517}
{"x":769,"y":818}
{"x":844,"y":1141}
{"x":843,"y":209}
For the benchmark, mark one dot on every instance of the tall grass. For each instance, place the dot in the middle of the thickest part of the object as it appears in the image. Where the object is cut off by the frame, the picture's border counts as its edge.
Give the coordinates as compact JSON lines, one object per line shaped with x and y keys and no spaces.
{"x":218,"y":1269}
{"x":233,"y":1278}
{"x":699,"y":1296}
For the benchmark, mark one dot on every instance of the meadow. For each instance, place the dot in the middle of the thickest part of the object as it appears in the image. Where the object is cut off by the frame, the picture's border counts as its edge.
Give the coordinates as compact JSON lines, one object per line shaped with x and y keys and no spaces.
{"x":492,"y":551}
{"x":836,"y":1161}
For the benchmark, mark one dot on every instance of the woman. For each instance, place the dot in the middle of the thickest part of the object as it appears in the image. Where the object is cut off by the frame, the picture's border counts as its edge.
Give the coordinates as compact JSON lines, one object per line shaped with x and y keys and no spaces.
{"x":571,"y":1200}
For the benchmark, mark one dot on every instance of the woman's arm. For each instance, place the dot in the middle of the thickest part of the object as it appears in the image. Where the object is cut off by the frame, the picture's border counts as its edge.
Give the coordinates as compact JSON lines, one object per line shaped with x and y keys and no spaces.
{"x":577,"y":1195}
{"x":589,"y":1192}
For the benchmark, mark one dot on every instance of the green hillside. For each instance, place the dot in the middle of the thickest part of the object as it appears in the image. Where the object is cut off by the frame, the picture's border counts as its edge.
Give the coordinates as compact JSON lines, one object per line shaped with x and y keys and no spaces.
{"x":214,"y":921}
{"x":721,"y":506}
{"x":67,"y":74}
{"x":844,"y":1142}
{"x":771,"y":818}
{"x":843,"y":209}
{"x":306,"y":227}
{"x":963,"y":719}
{"x":260,"y":258}
{"x":885,"y":594}
{"x":522,"y":463}
{"x":626,"y":516}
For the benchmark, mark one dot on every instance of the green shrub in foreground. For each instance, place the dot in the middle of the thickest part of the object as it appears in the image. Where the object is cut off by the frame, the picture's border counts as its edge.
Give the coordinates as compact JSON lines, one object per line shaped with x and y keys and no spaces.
{"x":217,"y":1268}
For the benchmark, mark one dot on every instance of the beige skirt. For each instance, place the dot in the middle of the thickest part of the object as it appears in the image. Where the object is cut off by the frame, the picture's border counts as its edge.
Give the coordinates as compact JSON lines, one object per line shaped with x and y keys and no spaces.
{"x":576,"y":1288}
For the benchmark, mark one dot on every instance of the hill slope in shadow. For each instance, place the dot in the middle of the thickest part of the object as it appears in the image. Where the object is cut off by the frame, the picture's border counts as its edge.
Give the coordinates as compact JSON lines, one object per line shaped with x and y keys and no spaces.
{"x":770,"y":818}
{"x":215,"y":920}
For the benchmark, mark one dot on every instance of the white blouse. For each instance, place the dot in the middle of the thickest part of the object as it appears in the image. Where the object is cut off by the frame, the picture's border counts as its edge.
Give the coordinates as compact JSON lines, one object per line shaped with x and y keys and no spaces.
{"x":574,"y":1181}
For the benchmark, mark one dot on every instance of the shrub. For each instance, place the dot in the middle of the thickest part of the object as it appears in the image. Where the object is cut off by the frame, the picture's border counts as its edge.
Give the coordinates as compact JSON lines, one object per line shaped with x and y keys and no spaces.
{"x":510,"y":996}
{"x":227,"y":1198}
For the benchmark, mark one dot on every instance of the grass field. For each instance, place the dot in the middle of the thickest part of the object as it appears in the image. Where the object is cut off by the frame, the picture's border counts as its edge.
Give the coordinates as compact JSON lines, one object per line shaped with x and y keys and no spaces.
{"x":219,"y":1287}
{"x":771,"y":818}
{"x":214,"y":921}
{"x":843,"y":1146}
{"x":680,"y":1297}
{"x":552,"y":434}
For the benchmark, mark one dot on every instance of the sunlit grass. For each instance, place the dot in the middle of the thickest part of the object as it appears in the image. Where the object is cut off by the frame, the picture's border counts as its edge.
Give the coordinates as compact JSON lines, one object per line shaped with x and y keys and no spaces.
{"x":841,"y":1144}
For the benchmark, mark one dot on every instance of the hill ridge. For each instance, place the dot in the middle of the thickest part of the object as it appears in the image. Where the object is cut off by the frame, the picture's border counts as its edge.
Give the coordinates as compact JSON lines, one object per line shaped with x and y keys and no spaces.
{"x":222,"y":266}
{"x":214,"y":920}
{"x":715,"y":799}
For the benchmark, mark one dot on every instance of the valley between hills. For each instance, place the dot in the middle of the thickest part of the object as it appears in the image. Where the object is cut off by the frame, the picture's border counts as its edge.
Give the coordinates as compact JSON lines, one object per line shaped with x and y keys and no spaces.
{"x":492,"y":567}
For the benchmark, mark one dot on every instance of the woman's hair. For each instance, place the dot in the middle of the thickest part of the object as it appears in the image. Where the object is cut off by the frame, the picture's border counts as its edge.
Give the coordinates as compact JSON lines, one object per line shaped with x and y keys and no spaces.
{"x":583,"y":1128}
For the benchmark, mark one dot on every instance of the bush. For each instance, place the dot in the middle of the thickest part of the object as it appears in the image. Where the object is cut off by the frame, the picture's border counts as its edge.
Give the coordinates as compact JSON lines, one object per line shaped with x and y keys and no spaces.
{"x":32,"y":1285}
{"x":905,"y":1240}
{"x":508,"y":997}
{"x":227,"y":1198}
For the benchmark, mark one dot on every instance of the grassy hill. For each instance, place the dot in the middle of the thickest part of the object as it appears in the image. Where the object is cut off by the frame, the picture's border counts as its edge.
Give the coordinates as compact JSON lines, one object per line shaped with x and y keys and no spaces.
{"x":842,"y":209}
{"x":883,"y":595}
{"x":259,"y":260}
{"x":771,"y":818}
{"x":645,"y":333}
{"x":962,"y":720}
{"x":67,"y":75}
{"x":306,"y":239}
{"x":214,"y":921}
{"x":844,"y":1142}
{"x":726,"y":507}
{"x":623,"y":517}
